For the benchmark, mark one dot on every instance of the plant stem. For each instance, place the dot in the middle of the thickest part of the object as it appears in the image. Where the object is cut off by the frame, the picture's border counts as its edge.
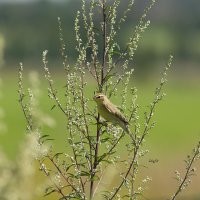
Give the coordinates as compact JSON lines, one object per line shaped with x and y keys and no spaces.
{"x":187,"y":173}
{"x":64,"y":177}
{"x":127,"y":173}
{"x":59,"y":190}
{"x":103,"y":68}
{"x":93,"y":172}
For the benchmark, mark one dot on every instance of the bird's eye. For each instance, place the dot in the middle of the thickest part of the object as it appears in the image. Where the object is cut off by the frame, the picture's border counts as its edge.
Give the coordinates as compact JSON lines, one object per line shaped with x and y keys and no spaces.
{"x":99,"y":97}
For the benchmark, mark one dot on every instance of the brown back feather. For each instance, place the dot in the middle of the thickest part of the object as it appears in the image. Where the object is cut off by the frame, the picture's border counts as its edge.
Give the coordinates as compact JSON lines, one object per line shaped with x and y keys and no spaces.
{"x":116,"y":112}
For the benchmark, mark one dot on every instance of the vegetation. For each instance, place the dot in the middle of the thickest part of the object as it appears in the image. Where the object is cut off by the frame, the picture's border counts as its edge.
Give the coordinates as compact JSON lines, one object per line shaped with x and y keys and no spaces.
{"x":94,"y":146}
{"x":25,"y":26}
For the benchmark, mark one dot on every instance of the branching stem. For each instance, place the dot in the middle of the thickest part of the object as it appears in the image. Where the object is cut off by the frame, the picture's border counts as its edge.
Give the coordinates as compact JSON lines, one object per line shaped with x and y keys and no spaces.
{"x":187,"y":173}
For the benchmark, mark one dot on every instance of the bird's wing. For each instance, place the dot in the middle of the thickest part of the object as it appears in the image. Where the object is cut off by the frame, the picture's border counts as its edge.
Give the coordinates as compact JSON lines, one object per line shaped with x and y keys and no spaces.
{"x":113,"y":109}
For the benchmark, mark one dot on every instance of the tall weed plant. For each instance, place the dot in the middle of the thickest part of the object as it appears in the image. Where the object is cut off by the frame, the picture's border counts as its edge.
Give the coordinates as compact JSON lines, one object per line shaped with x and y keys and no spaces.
{"x":94,"y":167}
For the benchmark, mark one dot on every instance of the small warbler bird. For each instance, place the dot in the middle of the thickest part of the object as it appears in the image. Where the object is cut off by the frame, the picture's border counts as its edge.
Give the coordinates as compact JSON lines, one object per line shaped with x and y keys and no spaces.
{"x":110,"y":112}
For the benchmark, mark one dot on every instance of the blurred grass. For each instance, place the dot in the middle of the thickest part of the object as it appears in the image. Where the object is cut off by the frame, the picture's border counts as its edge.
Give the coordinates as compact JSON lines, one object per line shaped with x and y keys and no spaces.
{"x":176,"y":133}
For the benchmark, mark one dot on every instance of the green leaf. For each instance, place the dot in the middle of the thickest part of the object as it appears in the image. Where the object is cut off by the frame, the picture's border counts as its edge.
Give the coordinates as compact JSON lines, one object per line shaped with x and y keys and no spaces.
{"x":43,"y":136}
{"x":108,"y":77}
{"x":101,"y":158}
{"x":103,"y":140}
{"x":57,"y":155}
{"x":53,"y":107}
{"x":49,"y":191}
{"x":84,"y":173}
{"x":118,"y":53}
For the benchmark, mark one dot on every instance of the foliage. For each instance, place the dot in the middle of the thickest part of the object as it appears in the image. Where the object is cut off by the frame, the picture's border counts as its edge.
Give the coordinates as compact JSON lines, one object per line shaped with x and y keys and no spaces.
{"x":2,"y":46}
{"x":190,"y":171}
{"x":25,"y":27}
{"x":95,"y":146}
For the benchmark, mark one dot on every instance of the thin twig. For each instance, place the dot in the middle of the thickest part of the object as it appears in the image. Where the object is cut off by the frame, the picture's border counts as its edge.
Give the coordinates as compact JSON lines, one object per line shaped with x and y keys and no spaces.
{"x":127,"y":173}
{"x":95,"y":164}
{"x":188,"y":172}
{"x":103,"y":68}
{"x":85,"y":119}
{"x":21,"y":98}
{"x":64,"y":177}
{"x":138,"y":144}
{"x":59,"y":190}
{"x":48,"y":75}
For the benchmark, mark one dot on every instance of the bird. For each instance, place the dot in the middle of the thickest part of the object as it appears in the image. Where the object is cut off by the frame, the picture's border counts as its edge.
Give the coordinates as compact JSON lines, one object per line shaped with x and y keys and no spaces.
{"x":110,"y":112}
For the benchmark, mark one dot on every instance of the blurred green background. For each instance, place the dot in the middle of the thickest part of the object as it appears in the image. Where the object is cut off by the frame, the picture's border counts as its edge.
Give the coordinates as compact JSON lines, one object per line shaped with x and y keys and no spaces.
{"x":28,"y":27}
